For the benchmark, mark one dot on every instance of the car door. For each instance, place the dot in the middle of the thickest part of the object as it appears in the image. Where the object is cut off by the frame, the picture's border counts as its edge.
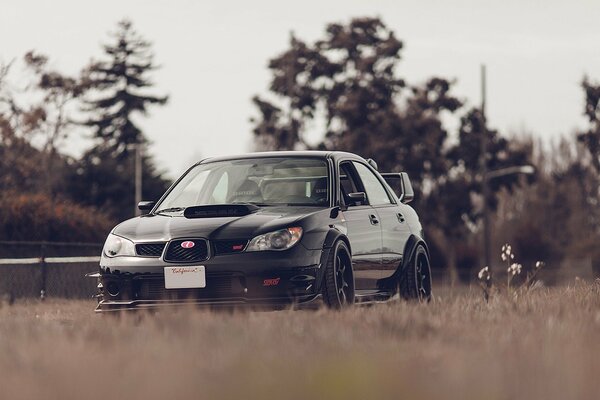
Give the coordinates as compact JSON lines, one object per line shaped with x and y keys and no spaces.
{"x":394,"y":227}
{"x":364,"y":230}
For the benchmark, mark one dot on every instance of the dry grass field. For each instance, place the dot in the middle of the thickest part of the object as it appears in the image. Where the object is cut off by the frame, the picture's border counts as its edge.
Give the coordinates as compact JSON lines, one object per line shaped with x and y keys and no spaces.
{"x":543,"y":345}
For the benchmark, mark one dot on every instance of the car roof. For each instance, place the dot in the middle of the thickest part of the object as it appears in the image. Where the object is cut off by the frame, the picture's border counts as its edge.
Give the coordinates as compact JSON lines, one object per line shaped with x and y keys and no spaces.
{"x":287,"y":154}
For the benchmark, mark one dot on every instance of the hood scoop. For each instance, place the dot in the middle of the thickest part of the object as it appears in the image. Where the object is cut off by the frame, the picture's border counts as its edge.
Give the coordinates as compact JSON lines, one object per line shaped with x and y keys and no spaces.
{"x":220,"y":210}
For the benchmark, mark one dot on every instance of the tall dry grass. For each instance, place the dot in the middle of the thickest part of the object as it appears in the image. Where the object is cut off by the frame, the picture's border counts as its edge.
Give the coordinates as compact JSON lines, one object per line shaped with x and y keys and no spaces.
{"x":543,"y":345}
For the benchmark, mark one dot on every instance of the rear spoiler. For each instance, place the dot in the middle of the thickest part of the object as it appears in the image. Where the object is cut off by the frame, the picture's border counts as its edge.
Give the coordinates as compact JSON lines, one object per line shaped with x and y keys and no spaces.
{"x":399,"y":182}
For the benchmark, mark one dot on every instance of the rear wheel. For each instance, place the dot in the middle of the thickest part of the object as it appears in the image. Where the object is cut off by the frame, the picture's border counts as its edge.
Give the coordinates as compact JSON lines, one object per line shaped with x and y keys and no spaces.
{"x":338,"y":285}
{"x":415,"y":279}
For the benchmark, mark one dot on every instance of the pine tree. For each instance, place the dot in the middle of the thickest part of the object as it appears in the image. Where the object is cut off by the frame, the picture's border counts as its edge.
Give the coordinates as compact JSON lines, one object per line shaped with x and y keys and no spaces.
{"x":104,"y":177}
{"x":119,"y":84}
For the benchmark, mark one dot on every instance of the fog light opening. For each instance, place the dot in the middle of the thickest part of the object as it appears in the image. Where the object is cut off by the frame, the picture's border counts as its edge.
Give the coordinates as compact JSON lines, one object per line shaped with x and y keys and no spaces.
{"x":113,"y":289}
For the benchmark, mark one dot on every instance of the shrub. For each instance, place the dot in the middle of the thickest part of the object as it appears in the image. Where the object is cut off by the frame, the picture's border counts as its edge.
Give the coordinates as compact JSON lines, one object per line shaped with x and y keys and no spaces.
{"x":37,"y":217}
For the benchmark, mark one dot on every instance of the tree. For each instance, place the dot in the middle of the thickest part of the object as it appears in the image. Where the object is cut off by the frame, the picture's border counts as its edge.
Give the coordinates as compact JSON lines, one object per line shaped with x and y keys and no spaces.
{"x":104,"y":177}
{"x":349,"y":77}
{"x":120,"y":83}
{"x":59,"y":94}
{"x":34,"y":121}
{"x":455,"y":202}
{"x":21,"y":164}
{"x":591,"y":137}
{"x":590,"y":180}
{"x":348,"y":83}
{"x":591,"y":140}
{"x":50,"y":119}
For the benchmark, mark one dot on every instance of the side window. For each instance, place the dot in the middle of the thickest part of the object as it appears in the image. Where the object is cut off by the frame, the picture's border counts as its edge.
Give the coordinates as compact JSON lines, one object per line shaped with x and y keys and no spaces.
{"x":376,"y":193}
{"x":348,"y":182}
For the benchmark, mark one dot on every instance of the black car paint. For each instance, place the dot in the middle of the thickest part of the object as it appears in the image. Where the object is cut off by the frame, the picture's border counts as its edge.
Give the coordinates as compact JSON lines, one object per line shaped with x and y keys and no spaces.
{"x":378,"y":238}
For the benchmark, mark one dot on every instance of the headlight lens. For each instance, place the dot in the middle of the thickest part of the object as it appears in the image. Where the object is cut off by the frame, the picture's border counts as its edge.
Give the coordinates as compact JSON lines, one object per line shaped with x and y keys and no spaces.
{"x":278,"y":240}
{"x":116,"y":246}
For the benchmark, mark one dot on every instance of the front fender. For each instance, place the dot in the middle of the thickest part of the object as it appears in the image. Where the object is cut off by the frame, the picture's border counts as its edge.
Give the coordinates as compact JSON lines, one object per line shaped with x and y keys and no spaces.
{"x":410,"y":248}
{"x":333,"y":235}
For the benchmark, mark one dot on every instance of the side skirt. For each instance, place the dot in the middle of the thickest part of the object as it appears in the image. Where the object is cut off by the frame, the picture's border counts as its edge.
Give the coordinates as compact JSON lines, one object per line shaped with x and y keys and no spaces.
{"x":372,"y":296}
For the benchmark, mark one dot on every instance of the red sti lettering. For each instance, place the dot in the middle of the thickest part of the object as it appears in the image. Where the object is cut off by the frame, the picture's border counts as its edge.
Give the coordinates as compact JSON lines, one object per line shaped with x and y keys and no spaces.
{"x":271,"y":282}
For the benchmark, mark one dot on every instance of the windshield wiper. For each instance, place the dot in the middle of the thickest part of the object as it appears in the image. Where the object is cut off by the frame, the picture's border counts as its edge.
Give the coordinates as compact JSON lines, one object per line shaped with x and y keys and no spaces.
{"x":172,"y":209}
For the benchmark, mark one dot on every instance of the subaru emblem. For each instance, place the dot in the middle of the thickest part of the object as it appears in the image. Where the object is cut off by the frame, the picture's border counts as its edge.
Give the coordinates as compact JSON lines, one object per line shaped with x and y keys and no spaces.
{"x":188,"y":244}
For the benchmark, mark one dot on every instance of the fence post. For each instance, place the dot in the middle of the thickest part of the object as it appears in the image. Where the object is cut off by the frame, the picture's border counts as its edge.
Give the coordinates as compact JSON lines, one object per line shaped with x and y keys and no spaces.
{"x":44,"y":271}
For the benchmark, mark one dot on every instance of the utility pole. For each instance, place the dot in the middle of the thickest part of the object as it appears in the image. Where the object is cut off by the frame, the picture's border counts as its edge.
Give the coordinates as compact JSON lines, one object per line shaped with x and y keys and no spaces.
{"x":138,"y":176}
{"x":487,"y":176}
{"x":485,"y":189}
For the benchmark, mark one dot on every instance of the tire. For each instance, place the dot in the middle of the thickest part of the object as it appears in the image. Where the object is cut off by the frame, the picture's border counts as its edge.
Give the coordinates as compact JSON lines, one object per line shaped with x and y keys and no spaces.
{"x":415,"y":278}
{"x":338,"y":284}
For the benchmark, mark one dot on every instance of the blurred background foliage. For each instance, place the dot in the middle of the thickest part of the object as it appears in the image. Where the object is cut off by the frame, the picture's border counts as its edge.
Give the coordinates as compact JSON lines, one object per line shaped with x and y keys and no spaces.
{"x":38,"y":118}
{"x":347,"y":83}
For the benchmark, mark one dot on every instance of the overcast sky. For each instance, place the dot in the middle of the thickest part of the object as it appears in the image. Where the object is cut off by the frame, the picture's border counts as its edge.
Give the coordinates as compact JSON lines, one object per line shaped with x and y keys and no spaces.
{"x":214,"y":56}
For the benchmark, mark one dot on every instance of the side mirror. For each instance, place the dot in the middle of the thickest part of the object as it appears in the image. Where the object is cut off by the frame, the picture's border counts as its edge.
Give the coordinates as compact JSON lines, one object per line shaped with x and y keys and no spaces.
{"x":358,"y":197}
{"x":146,"y":206}
{"x":408,"y":194}
{"x":400,"y":184}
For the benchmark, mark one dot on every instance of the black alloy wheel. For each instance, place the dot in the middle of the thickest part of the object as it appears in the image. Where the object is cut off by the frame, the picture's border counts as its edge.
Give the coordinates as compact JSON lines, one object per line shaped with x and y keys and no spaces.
{"x":338,"y":285}
{"x":415,"y":279}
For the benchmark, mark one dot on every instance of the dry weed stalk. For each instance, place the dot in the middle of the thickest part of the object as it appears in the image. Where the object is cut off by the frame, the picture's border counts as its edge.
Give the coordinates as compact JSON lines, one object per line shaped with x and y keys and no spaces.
{"x":513,"y":269}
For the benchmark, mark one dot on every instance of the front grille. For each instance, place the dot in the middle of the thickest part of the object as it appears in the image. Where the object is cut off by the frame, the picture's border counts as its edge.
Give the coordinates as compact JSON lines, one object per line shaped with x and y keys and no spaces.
{"x":217,"y":285}
{"x":176,"y":253}
{"x":229,"y":246}
{"x":149,"y":249}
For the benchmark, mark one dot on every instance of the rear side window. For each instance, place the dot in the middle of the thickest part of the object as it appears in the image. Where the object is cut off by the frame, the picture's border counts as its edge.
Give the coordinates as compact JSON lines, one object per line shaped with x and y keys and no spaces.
{"x":376,"y":193}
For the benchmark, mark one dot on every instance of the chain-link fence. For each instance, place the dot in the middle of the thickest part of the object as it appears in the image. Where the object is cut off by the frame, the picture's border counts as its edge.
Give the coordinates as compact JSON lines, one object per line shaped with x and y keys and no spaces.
{"x":48,"y":269}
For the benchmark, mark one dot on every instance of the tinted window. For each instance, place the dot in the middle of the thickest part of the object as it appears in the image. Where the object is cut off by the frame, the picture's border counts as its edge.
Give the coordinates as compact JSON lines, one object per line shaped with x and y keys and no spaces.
{"x":266,"y":181}
{"x":348,"y":183}
{"x":376,"y":193}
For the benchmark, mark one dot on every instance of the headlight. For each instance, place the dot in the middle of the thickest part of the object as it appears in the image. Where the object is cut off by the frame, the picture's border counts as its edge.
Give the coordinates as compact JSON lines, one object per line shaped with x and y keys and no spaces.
{"x":116,"y":246}
{"x":278,"y":240}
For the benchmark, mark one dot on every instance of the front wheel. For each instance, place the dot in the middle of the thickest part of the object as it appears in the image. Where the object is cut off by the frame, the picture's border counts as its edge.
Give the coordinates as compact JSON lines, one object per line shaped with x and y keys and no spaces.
{"x":338,"y":285}
{"x":415,"y":279}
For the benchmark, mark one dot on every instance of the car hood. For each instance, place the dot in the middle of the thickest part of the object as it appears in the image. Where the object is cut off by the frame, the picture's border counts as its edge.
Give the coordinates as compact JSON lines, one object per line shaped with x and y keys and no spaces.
{"x":164,"y":227}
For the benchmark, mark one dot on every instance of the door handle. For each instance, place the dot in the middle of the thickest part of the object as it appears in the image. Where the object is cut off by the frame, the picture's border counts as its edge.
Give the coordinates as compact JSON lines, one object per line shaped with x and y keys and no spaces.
{"x":373,"y":219}
{"x":401,"y":218}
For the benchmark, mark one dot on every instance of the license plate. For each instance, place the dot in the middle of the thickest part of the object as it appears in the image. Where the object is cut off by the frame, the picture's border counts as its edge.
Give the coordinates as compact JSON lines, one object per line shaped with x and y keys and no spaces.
{"x":185,"y":277}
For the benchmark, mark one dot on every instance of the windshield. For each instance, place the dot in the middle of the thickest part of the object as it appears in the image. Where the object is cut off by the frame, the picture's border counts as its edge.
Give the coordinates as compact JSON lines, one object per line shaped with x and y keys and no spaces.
{"x":261,"y":181}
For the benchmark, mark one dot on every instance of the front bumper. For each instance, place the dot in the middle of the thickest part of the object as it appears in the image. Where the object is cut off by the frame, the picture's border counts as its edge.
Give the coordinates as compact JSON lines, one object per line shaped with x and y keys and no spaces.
{"x":277,"y":287}
{"x":261,"y":279}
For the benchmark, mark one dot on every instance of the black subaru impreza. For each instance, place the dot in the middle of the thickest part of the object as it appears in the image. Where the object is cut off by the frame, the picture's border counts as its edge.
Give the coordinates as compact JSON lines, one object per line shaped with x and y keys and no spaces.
{"x":270,"y":229}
